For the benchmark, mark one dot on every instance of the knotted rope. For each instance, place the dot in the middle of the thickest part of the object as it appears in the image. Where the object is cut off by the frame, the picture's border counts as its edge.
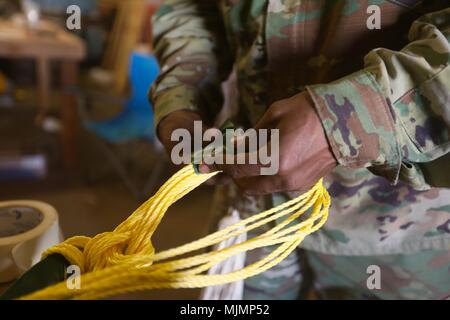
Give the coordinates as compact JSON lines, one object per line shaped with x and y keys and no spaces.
{"x":124,"y":260}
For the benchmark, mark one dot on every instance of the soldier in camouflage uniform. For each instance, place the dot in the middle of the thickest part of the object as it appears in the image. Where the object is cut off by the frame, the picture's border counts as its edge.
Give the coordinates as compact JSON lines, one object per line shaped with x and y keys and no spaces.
{"x":382,"y":97}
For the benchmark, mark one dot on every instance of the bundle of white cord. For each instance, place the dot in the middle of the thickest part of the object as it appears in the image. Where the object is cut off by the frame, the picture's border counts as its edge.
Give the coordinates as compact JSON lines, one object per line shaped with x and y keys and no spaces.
{"x":233,"y":290}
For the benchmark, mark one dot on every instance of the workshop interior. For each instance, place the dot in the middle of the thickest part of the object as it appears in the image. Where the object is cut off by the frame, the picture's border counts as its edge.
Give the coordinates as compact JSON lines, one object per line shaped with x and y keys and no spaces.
{"x":355,"y":99}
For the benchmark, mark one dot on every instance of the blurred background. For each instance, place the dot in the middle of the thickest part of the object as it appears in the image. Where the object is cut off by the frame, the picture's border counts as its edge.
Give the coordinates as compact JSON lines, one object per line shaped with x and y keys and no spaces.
{"x":76,"y":128}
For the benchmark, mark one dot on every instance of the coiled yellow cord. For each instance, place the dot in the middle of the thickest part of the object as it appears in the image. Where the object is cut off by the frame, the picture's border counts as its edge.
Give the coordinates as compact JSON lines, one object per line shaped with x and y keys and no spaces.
{"x":124,"y":260}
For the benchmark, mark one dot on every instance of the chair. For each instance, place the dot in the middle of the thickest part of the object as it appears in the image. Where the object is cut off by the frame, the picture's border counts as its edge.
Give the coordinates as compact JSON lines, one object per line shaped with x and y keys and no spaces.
{"x":134,"y":122}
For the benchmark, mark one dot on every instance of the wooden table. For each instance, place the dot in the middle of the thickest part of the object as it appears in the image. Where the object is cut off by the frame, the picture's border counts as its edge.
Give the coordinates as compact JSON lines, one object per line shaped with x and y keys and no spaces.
{"x":45,"y":43}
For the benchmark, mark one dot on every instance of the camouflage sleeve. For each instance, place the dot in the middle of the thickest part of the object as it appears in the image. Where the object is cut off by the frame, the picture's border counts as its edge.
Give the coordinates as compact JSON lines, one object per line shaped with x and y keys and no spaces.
{"x":188,"y":39}
{"x":394,"y":115}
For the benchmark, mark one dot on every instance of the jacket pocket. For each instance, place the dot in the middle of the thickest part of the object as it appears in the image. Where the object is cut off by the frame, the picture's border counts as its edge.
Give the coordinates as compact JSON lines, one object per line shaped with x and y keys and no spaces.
{"x":423,"y":115}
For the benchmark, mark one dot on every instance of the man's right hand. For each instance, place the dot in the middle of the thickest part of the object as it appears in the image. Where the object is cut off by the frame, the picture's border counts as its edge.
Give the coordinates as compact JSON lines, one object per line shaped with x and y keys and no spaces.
{"x":181,"y":119}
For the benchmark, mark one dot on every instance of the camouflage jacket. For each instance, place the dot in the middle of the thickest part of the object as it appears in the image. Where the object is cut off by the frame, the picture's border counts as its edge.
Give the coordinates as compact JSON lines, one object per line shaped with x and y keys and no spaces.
{"x":382,"y":93}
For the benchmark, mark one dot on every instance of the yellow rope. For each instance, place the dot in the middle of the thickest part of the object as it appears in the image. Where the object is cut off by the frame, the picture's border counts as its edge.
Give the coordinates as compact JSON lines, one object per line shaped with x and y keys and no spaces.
{"x":124,"y":260}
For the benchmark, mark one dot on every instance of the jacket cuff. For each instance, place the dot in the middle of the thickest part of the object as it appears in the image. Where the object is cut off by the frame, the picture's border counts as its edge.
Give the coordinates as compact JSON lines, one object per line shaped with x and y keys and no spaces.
{"x":359,"y":124}
{"x":170,"y":100}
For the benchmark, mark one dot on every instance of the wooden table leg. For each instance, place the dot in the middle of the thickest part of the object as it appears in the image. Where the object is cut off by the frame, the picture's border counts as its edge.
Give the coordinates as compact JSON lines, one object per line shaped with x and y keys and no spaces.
{"x":43,"y":82}
{"x":69,"y":114}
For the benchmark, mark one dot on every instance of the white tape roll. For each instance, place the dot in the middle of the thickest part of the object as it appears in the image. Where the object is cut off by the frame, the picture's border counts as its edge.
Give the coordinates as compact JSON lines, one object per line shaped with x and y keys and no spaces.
{"x":27,"y":229}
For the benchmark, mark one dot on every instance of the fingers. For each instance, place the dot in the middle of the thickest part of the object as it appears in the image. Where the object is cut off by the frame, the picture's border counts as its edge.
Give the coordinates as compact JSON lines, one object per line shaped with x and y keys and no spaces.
{"x":250,"y":185}
{"x":293,"y":158}
{"x":244,"y":160}
{"x":262,"y":185}
{"x":181,"y":119}
{"x":234,"y":169}
{"x":219,"y":179}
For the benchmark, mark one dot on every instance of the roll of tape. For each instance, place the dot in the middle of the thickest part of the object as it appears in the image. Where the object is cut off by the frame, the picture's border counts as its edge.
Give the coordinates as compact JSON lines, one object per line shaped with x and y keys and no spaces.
{"x":27,"y":229}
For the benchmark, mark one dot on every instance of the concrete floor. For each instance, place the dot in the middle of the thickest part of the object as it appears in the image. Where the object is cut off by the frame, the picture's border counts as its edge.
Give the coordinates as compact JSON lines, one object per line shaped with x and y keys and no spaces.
{"x":88,"y":209}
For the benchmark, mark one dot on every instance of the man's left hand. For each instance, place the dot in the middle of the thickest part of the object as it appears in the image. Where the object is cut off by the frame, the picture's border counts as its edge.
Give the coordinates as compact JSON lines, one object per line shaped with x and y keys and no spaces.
{"x":304,"y":153}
